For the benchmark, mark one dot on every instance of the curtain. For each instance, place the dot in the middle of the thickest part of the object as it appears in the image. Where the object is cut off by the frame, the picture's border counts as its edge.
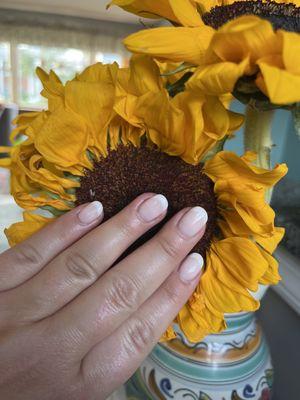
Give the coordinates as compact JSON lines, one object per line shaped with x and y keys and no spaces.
{"x":64,"y":31}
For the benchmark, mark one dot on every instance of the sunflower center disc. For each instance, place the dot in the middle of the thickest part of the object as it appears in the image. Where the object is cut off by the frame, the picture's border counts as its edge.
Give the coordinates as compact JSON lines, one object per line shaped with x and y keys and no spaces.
{"x":284,"y":16}
{"x":128,"y":172}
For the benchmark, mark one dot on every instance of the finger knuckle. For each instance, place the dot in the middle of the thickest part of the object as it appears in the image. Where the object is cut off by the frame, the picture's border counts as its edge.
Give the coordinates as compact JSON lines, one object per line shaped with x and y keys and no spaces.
{"x":169,"y":247}
{"x":127,"y":227}
{"x":80,"y":267}
{"x":123,"y":293}
{"x":172,"y":294}
{"x":140,"y":335}
{"x":29,"y":255}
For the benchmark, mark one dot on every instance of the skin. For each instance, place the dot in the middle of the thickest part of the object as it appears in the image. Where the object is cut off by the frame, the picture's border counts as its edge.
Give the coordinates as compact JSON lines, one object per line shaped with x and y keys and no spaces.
{"x":76,"y":323}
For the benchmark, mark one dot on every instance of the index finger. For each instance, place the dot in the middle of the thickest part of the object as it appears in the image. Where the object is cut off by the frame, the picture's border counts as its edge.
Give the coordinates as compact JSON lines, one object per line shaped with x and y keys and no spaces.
{"x":26,"y":259}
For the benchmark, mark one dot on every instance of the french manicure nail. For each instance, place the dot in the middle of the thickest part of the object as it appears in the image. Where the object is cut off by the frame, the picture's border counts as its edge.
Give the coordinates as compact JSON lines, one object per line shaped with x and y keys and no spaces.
{"x":90,"y":213}
{"x":152,"y":208}
{"x":191,"y":267}
{"x":193,"y":221}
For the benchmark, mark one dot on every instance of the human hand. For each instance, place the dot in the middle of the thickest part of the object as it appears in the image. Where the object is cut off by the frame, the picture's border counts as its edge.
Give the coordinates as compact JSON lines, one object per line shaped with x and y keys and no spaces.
{"x":72,"y":327}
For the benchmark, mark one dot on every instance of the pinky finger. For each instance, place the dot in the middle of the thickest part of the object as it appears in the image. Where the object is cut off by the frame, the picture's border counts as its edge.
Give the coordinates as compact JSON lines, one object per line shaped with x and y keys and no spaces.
{"x":120,"y":355}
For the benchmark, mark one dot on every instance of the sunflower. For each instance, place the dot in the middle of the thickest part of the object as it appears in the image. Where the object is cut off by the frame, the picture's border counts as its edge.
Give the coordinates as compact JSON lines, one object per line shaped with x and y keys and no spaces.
{"x":249,"y":48}
{"x":111,"y":127}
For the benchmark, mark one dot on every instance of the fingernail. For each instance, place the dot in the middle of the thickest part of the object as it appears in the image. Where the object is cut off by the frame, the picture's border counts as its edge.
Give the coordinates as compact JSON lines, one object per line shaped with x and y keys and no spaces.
{"x":152,"y":208}
{"x":193,"y":221}
{"x":90,"y":213}
{"x":191,"y":267}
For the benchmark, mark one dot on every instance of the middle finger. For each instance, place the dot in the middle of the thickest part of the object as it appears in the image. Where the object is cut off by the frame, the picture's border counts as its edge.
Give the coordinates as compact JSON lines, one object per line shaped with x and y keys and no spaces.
{"x":101,"y":309}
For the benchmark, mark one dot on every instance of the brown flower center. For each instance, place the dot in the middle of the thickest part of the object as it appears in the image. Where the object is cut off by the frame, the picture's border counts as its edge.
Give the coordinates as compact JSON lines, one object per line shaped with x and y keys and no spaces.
{"x":129,"y":171}
{"x":281,"y":15}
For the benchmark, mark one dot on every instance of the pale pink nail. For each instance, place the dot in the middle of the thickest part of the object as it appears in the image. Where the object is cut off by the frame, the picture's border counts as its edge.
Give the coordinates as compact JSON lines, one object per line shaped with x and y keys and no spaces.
{"x":152,"y":208}
{"x":191,"y":267}
{"x":90,"y":213}
{"x":193,"y":221}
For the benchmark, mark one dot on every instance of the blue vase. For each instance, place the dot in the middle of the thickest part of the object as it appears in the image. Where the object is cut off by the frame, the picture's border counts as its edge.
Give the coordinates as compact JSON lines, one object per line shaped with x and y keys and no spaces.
{"x":233,"y":365}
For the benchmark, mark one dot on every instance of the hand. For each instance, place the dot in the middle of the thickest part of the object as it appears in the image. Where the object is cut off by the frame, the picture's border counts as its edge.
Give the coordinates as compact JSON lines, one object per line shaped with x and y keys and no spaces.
{"x":72,"y":327}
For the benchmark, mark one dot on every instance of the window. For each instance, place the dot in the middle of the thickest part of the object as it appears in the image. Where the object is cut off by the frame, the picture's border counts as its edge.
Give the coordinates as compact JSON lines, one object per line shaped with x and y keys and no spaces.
{"x":65,"y":62}
{"x":5,"y":74}
{"x":108,"y":58}
{"x":18,"y":62}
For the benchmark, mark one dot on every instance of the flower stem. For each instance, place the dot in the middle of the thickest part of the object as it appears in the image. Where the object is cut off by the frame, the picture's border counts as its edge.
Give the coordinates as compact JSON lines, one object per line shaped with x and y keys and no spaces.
{"x":258,"y":138}
{"x":258,"y":135}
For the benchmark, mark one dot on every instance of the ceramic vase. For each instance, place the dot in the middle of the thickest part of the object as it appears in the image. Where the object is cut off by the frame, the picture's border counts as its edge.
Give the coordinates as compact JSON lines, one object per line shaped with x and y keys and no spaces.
{"x":233,"y":365}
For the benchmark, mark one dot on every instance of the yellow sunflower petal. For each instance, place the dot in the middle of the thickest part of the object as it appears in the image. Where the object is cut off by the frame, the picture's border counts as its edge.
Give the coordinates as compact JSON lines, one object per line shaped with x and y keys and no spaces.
{"x":95,"y":103}
{"x":92,"y":95}
{"x":169,"y":334}
{"x":33,"y":126}
{"x":200,"y":132}
{"x":271,"y":276}
{"x":270,"y":243}
{"x":228,"y":165}
{"x":234,"y":266}
{"x":5,"y":162}
{"x":23,"y":122}
{"x":216,"y":79}
{"x":197,"y":321}
{"x":144,"y":75}
{"x":63,"y":139}
{"x":241,"y":259}
{"x":21,"y":231}
{"x":147,"y":8}
{"x":290,"y":51}
{"x":279,"y":76}
{"x":46,"y":179}
{"x":53,"y":88}
{"x":245,"y":221}
{"x":163,"y":121}
{"x":280,"y":85}
{"x":119,"y":128}
{"x":29,"y":176}
{"x":173,"y":44}
{"x":34,"y":199}
{"x":243,"y":37}
{"x":225,"y":298}
{"x":27,"y":162}
{"x":206,"y":5}
{"x":5,"y":149}
{"x":183,"y":12}
{"x":244,"y":207}
{"x":186,"y":12}
{"x":248,"y":194}
{"x":98,"y":73}
{"x":218,"y":121}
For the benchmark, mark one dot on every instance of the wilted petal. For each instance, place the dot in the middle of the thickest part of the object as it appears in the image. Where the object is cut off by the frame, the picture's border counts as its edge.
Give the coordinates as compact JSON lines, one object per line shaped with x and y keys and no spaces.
{"x":21,"y":231}
{"x":173,"y":44}
{"x":63,"y":139}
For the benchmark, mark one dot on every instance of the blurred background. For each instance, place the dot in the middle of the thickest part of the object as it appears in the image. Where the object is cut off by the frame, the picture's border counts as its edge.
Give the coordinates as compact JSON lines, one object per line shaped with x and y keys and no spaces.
{"x":53,"y":35}
{"x":69,"y":35}
{"x":63,"y":35}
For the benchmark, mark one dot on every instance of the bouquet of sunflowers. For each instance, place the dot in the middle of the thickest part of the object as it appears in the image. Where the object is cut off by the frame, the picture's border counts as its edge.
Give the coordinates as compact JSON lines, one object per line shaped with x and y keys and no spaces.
{"x":160,"y":126}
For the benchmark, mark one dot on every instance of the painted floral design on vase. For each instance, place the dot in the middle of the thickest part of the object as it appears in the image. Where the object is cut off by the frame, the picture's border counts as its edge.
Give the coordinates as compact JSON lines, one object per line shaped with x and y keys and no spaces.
{"x":233,"y":365}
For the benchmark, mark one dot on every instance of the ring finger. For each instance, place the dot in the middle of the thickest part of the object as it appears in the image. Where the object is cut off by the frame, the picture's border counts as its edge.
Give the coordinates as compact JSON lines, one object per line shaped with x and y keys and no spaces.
{"x":123,"y":351}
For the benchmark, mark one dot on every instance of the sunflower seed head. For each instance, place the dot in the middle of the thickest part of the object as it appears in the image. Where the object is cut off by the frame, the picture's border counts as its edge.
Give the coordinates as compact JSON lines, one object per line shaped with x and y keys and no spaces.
{"x":284,"y":16}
